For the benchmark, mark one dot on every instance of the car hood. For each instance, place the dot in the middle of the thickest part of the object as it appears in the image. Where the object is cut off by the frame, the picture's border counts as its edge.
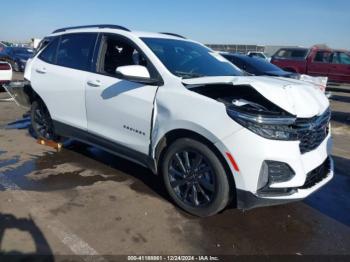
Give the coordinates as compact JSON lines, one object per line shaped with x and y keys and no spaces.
{"x":23,"y":56}
{"x":299,"y":98}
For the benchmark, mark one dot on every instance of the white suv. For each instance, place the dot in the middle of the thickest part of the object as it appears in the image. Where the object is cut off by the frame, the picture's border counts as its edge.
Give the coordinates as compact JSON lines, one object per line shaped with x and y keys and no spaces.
{"x":184,"y":111}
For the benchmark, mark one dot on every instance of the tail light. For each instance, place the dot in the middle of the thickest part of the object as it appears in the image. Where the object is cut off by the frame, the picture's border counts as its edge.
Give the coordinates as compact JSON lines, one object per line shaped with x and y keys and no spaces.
{"x":5,"y":66}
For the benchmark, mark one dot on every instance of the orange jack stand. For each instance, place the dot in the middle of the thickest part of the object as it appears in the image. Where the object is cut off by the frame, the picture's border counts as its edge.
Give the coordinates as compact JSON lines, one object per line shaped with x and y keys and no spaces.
{"x":50,"y":143}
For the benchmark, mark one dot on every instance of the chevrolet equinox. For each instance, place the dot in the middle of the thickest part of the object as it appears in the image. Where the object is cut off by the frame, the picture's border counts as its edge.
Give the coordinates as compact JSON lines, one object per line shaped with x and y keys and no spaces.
{"x":215,"y":135}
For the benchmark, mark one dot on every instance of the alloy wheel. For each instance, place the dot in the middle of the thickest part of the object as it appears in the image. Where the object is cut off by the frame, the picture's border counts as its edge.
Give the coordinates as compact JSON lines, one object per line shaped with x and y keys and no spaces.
{"x":42,"y":122}
{"x":192,"y":178}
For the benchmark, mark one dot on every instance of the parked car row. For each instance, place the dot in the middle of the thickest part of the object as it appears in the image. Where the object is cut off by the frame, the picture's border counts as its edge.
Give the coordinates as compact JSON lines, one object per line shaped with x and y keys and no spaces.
{"x":215,"y":135}
{"x":334,"y":64}
{"x":16,"y":56}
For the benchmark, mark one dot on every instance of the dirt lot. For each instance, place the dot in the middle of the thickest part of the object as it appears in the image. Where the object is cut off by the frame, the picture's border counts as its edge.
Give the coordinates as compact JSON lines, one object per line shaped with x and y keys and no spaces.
{"x":85,"y":201}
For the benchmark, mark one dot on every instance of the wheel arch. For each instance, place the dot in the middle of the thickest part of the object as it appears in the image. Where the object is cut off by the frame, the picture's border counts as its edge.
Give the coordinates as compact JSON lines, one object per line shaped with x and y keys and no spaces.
{"x":172,"y":135}
{"x":32,"y":95}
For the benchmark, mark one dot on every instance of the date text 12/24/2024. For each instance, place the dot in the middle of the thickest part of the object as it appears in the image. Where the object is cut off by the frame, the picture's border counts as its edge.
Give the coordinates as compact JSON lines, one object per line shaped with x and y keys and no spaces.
{"x":173,"y":258}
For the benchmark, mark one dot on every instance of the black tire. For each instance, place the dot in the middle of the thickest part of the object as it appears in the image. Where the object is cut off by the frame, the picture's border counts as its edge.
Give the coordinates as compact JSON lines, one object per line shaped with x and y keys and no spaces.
{"x":41,"y":122}
{"x":203,"y":189}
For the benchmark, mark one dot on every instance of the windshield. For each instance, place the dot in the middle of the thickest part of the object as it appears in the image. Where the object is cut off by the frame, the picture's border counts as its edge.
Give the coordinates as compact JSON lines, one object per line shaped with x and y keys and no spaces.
{"x":262,"y":65}
{"x":190,"y":60}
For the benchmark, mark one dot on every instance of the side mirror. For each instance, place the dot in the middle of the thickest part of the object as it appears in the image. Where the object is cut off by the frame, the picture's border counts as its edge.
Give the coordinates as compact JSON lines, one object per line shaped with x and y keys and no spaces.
{"x":135,"y":73}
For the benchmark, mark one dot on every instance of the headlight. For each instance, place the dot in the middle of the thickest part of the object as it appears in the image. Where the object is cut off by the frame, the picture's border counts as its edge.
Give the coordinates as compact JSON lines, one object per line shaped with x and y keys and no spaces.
{"x":268,"y":126}
{"x":23,"y":61}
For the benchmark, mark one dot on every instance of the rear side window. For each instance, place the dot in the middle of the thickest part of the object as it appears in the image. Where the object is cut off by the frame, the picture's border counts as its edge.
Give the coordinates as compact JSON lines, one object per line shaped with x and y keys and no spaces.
{"x":292,"y":53}
{"x":49,"y":53}
{"x":344,"y":58}
{"x":341,"y":58}
{"x":76,"y":50}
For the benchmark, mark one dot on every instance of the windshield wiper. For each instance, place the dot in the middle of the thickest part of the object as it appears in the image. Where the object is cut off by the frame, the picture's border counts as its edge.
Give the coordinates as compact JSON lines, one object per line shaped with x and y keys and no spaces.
{"x":186,"y":75}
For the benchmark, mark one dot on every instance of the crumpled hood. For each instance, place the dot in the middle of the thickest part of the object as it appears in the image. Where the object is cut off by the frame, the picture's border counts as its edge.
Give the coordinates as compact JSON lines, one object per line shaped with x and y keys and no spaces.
{"x":299,"y":98}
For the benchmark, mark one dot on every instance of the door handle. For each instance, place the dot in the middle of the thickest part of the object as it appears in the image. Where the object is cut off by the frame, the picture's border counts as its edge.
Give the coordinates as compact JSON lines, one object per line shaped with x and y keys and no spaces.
{"x":41,"y":70}
{"x":95,"y":83}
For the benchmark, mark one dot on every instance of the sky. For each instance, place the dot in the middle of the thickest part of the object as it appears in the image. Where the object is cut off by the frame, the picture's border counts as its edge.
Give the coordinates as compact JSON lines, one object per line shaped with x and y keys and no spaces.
{"x":265,"y":22}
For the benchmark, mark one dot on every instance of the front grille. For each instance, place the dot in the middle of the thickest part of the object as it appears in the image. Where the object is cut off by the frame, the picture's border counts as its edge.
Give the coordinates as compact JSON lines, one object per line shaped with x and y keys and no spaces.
{"x":312,"y":131}
{"x":317,"y":175}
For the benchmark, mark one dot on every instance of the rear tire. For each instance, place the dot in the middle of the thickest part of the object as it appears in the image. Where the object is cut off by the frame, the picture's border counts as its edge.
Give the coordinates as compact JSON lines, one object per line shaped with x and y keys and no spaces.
{"x":195,"y":178}
{"x":41,"y":121}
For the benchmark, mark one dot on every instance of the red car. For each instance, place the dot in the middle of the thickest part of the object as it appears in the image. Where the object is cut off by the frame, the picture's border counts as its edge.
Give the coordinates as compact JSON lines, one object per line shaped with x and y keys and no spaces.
{"x":335,"y":64}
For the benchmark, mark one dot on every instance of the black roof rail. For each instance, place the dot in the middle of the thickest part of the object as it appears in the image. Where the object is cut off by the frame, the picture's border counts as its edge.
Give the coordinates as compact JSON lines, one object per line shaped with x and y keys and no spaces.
{"x":172,"y":34}
{"x":92,"y":26}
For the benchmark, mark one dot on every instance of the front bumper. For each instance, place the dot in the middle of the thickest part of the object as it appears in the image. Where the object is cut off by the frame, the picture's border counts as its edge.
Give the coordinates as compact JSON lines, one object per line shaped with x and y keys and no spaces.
{"x":247,"y":200}
{"x":250,"y":151}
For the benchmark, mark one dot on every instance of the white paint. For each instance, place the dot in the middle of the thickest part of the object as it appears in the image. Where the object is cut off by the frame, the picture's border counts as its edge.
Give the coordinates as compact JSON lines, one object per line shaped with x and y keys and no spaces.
{"x":116,"y":106}
{"x":63,"y":90}
{"x":295,"y":96}
{"x":134,"y":71}
{"x":5,"y":75}
{"x":121,"y":111}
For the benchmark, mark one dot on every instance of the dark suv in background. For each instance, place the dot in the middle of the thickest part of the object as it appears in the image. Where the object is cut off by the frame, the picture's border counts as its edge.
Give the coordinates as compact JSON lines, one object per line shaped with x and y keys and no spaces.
{"x":257,"y":66}
{"x":16,"y":56}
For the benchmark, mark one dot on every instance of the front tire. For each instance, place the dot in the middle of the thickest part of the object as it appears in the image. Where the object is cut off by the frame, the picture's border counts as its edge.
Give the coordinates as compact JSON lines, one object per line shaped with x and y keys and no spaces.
{"x":195,"y":178}
{"x":41,"y":121}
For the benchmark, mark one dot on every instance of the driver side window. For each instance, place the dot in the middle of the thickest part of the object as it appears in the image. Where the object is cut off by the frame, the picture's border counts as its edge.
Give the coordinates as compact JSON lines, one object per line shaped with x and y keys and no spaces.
{"x":116,"y":52}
